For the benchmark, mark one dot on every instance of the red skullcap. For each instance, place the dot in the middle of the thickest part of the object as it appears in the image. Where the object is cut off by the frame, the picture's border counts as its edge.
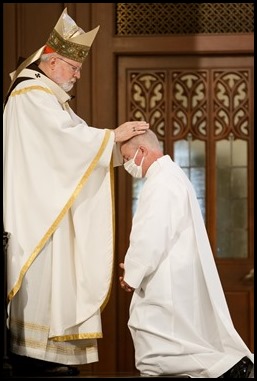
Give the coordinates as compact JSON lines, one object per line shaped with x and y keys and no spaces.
{"x":48,"y":49}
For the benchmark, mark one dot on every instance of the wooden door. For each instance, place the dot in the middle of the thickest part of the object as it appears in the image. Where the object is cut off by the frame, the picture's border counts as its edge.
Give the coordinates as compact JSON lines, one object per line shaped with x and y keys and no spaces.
{"x":202,"y":112}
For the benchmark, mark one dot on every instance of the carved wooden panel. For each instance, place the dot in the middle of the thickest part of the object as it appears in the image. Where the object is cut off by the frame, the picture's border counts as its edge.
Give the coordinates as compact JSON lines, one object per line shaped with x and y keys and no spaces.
{"x":203,"y":103}
{"x":183,"y":18}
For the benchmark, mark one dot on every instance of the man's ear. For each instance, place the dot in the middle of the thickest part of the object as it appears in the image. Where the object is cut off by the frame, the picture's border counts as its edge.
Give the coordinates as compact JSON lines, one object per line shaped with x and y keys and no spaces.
{"x":144,"y":150}
{"x":52,"y":62}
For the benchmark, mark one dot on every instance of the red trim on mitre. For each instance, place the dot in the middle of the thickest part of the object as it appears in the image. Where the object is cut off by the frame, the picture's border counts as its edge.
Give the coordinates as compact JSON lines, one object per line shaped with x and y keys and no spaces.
{"x":48,"y":50}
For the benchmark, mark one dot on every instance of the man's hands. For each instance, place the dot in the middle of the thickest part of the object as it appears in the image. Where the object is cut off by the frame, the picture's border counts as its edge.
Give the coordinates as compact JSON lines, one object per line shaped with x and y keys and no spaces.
{"x":123,"y":284}
{"x":129,"y":129}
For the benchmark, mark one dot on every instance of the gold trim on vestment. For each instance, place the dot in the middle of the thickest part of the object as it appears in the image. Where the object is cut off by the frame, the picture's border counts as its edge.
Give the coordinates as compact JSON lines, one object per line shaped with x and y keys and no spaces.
{"x":57,"y":221}
{"x":29,"y":88}
{"x":33,"y":339}
{"x":55,"y":346}
{"x":33,"y":330}
{"x":77,"y":336}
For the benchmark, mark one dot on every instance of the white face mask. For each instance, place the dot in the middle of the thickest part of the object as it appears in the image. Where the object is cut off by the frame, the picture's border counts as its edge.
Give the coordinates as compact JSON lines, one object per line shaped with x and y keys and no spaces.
{"x":132,"y":168}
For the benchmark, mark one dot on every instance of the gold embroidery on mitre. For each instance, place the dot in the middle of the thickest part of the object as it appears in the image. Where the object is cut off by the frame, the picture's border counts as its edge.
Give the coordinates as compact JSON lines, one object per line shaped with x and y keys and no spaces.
{"x":69,"y":40}
{"x":76,"y":52}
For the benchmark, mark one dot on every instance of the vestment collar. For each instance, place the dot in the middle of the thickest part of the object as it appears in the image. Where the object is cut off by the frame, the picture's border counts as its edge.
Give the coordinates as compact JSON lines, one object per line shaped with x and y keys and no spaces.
{"x":60,"y":94}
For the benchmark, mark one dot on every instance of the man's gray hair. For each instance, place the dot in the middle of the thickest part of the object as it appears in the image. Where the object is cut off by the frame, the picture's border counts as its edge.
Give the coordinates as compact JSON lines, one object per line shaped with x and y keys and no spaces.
{"x":46,"y":57}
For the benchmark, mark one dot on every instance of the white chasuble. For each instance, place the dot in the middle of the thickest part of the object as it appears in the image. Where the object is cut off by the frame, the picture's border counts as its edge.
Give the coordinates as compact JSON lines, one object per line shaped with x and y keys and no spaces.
{"x":58,"y":209}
